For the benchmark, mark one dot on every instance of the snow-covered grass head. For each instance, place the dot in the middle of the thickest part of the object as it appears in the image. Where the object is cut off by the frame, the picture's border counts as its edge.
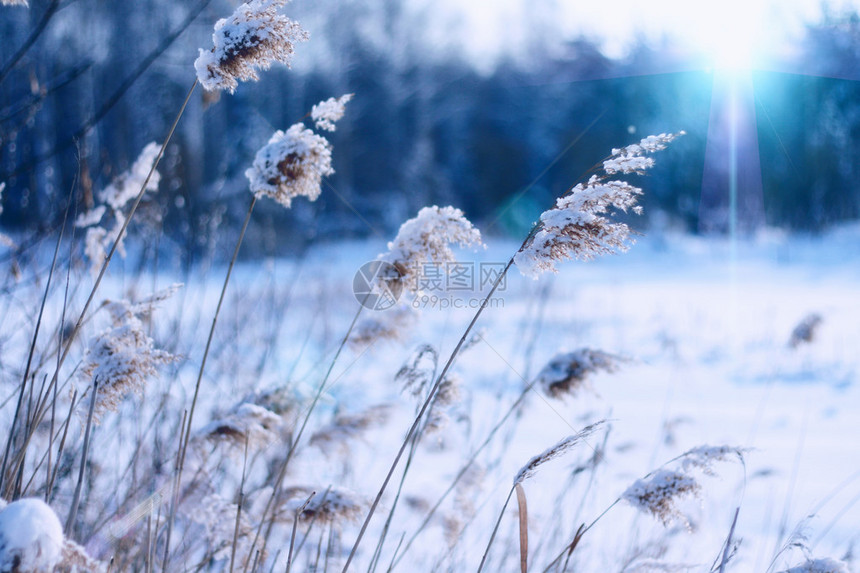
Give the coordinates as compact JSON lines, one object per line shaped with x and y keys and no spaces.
{"x":426,"y":239}
{"x":123,"y":357}
{"x":577,"y":227}
{"x":252,"y":38}
{"x":292,"y":164}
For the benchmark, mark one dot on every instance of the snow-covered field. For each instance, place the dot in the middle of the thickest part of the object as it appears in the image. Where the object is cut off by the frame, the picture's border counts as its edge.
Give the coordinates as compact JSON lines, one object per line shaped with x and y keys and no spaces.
{"x":700,"y":328}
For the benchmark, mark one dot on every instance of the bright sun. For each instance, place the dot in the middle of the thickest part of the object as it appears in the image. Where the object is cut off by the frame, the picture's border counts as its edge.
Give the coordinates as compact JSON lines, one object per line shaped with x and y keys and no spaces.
{"x":729,"y":34}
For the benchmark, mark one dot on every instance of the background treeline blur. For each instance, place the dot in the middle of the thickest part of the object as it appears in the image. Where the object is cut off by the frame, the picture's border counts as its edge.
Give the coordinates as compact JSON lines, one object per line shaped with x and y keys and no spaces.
{"x":427,"y":126}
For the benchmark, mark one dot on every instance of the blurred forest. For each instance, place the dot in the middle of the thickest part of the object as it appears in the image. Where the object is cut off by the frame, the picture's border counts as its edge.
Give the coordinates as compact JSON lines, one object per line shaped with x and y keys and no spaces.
{"x":86,"y":84}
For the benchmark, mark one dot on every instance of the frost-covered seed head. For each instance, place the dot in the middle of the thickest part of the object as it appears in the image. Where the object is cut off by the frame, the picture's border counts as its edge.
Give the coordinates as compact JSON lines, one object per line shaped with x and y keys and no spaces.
{"x":576,"y":227}
{"x":31,"y":537}
{"x":293,"y":163}
{"x":218,"y":516}
{"x":123,"y":357}
{"x":325,"y":113}
{"x":447,"y":395}
{"x":252,"y":38}
{"x":631,"y":159}
{"x":329,"y":506}
{"x":14,"y":3}
{"x":426,"y":239}
{"x":555,"y":451}
{"x":417,"y":373}
{"x":704,"y":457}
{"x":128,"y":185}
{"x":247,"y":423}
{"x":658,"y":493}
{"x":123,"y":189}
{"x":568,"y":372}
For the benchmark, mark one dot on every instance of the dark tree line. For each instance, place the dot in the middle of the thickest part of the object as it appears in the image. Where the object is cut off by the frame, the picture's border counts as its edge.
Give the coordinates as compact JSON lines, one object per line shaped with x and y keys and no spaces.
{"x":102,"y":79}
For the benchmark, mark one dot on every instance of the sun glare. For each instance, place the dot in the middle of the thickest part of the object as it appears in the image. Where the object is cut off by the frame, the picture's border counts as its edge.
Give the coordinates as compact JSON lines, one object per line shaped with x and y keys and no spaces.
{"x":729,"y":34}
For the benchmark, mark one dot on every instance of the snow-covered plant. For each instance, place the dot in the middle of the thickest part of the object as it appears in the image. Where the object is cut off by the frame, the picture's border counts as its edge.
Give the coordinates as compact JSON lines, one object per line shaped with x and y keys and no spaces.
{"x":425,"y":240}
{"x":347,"y":427}
{"x":15,"y":3}
{"x":218,"y":516}
{"x":567,"y":372}
{"x":115,"y":197}
{"x":246,"y":423}
{"x":126,"y":187}
{"x":447,"y":395}
{"x":390,"y":325}
{"x":123,"y":357}
{"x":658,"y":492}
{"x":327,"y":506}
{"x":419,"y":370}
{"x":577,"y":228}
{"x":77,"y":560}
{"x":252,"y":38}
{"x":292,"y":164}
{"x":31,"y":537}
{"x":825,"y":565}
{"x":704,"y":457}
{"x":558,"y":450}
{"x":329,"y":111}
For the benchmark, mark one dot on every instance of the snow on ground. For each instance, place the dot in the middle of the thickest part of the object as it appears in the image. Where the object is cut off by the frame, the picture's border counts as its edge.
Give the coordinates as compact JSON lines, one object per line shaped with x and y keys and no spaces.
{"x":701,"y":328}
{"x":705,"y":325}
